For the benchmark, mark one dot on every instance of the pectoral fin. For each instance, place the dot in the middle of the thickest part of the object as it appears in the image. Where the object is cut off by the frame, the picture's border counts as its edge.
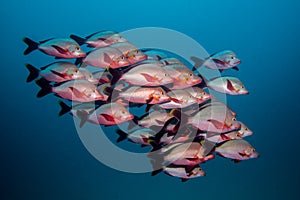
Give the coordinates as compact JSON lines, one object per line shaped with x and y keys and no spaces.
{"x":230,"y":86}
{"x":58,"y":74}
{"x":59,"y":49}
{"x":108,"y":117}
{"x":217,"y":124}
{"x":76,"y":92}
{"x":148,"y":77}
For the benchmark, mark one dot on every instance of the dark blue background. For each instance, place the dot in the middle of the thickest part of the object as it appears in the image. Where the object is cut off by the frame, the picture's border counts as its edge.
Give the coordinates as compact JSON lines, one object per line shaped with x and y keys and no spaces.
{"x":43,"y":158}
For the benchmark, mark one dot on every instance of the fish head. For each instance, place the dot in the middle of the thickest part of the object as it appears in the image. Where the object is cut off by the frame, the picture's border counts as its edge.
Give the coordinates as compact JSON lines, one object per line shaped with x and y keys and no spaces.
{"x":122,"y":114}
{"x":115,"y":38}
{"x":250,"y":152}
{"x":232,"y":60}
{"x":88,"y":76}
{"x":135,"y":56}
{"x":76,"y":51}
{"x":244,"y":131}
{"x":75,"y":73}
{"x":189,"y":78}
{"x":160,"y":95}
{"x":202,"y":96}
{"x":93,"y":93}
{"x":163,"y":77}
{"x":119,"y":61}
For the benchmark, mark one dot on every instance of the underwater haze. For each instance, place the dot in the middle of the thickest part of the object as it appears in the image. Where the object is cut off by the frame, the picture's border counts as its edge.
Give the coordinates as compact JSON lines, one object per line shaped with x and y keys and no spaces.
{"x":42,"y":156}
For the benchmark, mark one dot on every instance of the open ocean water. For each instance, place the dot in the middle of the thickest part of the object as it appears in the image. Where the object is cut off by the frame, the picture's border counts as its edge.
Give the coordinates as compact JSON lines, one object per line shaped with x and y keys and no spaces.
{"x":42,"y":156}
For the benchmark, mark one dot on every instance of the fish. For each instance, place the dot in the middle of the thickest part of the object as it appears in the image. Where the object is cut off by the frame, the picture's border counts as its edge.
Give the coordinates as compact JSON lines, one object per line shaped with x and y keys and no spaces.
{"x":236,"y":150}
{"x":99,"y":39}
{"x":227,"y":85}
{"x":179,"y":99}
{"x":187,"y":154}
{"x":145,"y":74}
{"x":108,"y":114}
{"x":103,"y":58}
{"x":140,"y":136}
{"x":215,"y":118}
{"x":244,"y":131}
{"x":58,"y":47}
{"x":55,"y":72}
{"x":181,"y":172}
{"x":221,"y":61}
{"x":199,"y":94}
{"x":142,"y":95}
{"x":74,"y":90}
{"x":182,"y":76}
{"x":131,"y":52}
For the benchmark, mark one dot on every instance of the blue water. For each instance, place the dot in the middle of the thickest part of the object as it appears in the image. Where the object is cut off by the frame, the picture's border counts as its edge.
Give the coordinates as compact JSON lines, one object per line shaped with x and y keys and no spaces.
{"x":42,"y":156}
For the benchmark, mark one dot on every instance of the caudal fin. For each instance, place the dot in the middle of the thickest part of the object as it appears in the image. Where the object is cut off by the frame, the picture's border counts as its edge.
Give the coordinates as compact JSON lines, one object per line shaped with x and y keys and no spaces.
{"x":32,"y":45}
{"x":83,"y":116}
{"x":78,"y":39}
{"x":33,"y":73}
{"x":46,"y":88}
{"x":64,"y":108}
{"x":122,"y":135}
{"x":198,"y":62}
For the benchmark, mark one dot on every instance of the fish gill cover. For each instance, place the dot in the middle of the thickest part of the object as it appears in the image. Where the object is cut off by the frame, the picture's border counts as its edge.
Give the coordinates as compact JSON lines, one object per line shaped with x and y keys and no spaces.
{"x":155,"y":87}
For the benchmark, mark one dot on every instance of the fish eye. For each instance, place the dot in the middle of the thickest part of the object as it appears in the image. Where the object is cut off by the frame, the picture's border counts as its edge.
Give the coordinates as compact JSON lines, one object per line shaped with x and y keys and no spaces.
{"x":123,"y":111}
{"x":165,"y":74}
{"x":77,"y":48}
{"x":190,"y":74}
{"x":137,"y":51}
{"x":203,"y":93}
{"x":246,"y":129}
{"x":233,"y":57}
{"x":234,"y":119}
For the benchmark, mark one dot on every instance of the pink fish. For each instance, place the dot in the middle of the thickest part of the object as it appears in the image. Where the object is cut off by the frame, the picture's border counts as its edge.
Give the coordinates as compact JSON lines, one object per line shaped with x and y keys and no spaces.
{"x":107,"y":114}
{"x":131,"y":52}
{"x":55,"y":72}
{"x":58,"y":47}
{"x":154,"y":118}
{"x":237,"y":150}
{"x":179,"y":99}
{"x":75,"y":90}
{"x":227,"y":85}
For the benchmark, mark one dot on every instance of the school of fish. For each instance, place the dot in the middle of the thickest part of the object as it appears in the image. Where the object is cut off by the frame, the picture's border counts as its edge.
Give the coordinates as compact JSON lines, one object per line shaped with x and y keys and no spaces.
{"x":183,"y":124}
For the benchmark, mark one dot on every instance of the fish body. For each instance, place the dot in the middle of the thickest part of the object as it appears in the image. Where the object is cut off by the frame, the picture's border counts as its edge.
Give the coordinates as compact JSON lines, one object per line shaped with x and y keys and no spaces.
{"x":100,"y":39}
{"x":182,"y":76}
{"x":55,"y":72}
{"x":58,"y":47}
{"x":227,"y":85}
{"x":140,"y":136}
{"x":88,"y":75}
{"x":155,"y":54}
{"x":105,"y":57}
{"x":171,"y":61}
{"x":131,"y":52}
{"x":102,"y":76}
{"x":237,"y":150}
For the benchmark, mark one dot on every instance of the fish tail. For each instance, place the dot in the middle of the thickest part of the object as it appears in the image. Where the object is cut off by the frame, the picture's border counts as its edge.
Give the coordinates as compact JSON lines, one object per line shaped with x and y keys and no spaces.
{"x":64,"y":108}
{"x":33,"y":73}
{"x":79,"y":61}
{"x":198,"y":62}
{"x":83,"y":116}
{"x":116,"y":75}
{"x":78,"y":39}
{"x":32,"y":45}
{"x":122,"y":135}
{"x":46,"y":88}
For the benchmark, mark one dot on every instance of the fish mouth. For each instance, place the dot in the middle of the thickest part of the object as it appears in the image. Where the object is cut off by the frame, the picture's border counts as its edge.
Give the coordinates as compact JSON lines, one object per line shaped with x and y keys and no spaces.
{"x":237,"y":62}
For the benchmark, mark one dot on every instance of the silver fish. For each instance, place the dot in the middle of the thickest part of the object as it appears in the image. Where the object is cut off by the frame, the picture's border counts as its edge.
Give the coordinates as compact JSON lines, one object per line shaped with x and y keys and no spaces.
{"x":179,"y":99}
{"x":237,"y":150}
{"x":227,"y":85}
